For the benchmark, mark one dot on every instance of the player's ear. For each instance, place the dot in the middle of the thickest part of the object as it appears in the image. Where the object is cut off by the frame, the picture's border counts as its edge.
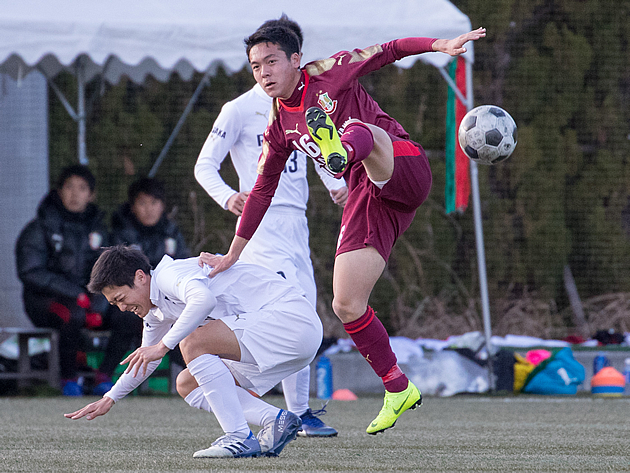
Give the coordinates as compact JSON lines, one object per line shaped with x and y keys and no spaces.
{"x":139,"y":278}
{"x":296,"y":58}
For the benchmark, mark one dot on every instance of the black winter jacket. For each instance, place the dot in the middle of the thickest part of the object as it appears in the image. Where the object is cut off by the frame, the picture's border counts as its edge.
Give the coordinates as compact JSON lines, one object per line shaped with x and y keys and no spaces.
{"x":164,"y":238}
{"x":55,"y":252}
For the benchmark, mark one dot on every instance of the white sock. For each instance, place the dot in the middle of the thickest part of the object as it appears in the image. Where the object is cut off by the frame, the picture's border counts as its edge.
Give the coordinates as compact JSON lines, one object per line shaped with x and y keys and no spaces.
{"x":219,"y":389}
{"x":296,"y":390}
{"x":255,"y":410}
{"x":196,"y":398}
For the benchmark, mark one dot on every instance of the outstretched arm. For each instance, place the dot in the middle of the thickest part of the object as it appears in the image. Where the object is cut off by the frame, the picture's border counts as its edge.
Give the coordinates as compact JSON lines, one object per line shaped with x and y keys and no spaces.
{"x":455,"y":46}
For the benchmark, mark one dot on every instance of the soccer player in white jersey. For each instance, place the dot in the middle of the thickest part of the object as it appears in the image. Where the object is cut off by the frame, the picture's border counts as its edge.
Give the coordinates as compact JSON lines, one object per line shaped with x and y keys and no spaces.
{"x":247,"y":325}
{"x":281,"y":242}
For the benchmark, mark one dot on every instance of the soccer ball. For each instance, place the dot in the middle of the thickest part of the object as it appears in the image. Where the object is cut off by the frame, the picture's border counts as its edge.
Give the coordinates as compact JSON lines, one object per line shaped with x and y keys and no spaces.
{"x":487,"y":134}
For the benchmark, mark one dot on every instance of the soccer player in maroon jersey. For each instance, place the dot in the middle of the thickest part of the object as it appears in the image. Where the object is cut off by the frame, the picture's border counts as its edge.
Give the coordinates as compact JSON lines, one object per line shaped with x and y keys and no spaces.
{"x":388,"y":176}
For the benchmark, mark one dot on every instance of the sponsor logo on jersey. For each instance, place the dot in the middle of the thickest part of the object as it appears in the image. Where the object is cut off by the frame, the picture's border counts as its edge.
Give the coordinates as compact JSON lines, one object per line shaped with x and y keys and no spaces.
{"x":328,"y":105}
{"x":287,"y":132}
{"x":217,"y":132}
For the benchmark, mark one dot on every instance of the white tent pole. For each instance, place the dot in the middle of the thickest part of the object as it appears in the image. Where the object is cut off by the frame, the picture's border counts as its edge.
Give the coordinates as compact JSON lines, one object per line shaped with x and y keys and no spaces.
{"x":83,"y":159}
{"x":182,"y":119}
{"x":481,"y":254}
{"x":59,"y":95}
{"x":453,"y":86}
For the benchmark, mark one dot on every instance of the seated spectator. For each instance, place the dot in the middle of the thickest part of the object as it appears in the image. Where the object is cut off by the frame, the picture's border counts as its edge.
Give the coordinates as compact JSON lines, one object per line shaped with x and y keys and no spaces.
{"x":55,"y":253}
{"x":142,"y":222}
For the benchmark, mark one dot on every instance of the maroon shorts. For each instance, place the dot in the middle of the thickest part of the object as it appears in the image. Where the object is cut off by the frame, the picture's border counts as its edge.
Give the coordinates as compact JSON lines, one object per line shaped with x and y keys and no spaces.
{"x":377,"y":217}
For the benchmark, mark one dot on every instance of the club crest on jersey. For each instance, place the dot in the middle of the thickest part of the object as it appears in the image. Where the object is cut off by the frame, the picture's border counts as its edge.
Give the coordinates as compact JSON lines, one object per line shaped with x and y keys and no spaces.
{"x":328,"y":105}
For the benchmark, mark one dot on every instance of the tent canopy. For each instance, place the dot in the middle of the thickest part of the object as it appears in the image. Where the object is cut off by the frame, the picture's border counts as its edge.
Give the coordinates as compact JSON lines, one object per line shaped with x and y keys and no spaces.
{"x":119,"y":37}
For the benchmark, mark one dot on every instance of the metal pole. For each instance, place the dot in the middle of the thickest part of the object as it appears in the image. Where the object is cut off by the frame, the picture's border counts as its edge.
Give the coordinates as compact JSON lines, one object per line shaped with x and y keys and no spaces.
{"x":180,"y":123}
{"x":83,"y":159}
{"x":481,"y":254}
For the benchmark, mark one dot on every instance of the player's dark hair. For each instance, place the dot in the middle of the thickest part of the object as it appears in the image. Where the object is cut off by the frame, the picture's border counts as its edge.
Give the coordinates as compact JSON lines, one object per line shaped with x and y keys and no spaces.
{"x":117,"y":266}
{"x":146,"y":185}
{"x":285,"y":21}
{"x":284,"y":32}
{"x":77,"y":170}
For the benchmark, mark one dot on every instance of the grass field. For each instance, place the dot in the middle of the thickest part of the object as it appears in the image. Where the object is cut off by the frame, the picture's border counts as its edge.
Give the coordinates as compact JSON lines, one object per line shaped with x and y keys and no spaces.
{"x":467,"y":433}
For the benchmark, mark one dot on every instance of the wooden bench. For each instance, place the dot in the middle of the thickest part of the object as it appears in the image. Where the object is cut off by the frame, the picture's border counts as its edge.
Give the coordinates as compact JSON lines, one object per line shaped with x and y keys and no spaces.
{"x":24,"y":372}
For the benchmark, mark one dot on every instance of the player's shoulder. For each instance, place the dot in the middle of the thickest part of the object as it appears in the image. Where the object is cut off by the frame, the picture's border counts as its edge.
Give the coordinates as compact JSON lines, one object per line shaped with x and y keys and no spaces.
{"x":253,"y":98}
{"x":340,"y":60}
{"x":169,"y":268}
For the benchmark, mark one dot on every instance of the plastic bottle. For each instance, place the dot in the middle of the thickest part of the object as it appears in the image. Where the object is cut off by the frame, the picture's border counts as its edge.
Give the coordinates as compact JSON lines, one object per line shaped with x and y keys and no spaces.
{"x":600,"y":361}
{"x":626,"y":374}
{"x":324,"y":378}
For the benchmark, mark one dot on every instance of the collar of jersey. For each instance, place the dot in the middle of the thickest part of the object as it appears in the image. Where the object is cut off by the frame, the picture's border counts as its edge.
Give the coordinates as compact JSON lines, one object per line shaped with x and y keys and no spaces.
{"x":299,"y":108}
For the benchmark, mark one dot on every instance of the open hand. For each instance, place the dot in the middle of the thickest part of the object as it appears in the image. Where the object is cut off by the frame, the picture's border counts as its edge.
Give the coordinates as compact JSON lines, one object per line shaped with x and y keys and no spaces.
{"x":93,"y":410}
{"x":218,"y":263}
{"x":455,"y":46}
{"x":141,"y":358}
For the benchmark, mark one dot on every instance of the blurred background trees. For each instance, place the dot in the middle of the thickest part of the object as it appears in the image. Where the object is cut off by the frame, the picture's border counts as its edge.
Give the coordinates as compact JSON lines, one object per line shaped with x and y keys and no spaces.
{"x":562,"y":70}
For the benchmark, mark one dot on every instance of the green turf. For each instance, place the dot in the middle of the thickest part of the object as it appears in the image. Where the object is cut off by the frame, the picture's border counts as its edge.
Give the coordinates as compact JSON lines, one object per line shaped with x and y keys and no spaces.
{"x":470,"y":433}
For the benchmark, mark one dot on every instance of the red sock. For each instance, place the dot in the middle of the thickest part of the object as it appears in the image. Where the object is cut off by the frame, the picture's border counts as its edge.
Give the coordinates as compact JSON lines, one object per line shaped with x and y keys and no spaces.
{"x":358,"y":140}
{"x":372,"y":341}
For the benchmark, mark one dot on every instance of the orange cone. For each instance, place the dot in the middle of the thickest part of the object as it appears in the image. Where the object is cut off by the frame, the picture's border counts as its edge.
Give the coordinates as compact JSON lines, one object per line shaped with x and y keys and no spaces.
{"x":608,"y":382}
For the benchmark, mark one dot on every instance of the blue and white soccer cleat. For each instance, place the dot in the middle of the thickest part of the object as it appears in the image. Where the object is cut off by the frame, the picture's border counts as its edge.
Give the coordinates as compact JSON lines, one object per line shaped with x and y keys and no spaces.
{"x":231,"y":447}
{"x":274,"y":436}
{"x":312,"y":426}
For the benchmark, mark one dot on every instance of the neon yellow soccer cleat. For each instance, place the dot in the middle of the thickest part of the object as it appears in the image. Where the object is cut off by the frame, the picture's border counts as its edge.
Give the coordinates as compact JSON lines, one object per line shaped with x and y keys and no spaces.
{"x":324,"y":133}
{"x":393,"y":406}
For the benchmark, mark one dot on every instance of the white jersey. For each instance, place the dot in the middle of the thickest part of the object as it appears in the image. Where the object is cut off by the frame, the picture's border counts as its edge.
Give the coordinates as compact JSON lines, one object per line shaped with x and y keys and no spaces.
{"x":239,"y":130}
{"x":243,"y":295}
{"x":281,"y":242}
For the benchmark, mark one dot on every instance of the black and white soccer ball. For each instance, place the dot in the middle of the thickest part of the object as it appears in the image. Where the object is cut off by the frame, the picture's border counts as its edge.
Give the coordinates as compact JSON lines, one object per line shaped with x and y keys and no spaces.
{"x":487,"y":134}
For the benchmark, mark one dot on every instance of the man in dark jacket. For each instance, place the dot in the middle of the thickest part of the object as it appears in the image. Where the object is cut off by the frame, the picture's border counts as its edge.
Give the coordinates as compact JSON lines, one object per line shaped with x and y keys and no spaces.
{"x":55,"y":253}
{"x":142,"y":222}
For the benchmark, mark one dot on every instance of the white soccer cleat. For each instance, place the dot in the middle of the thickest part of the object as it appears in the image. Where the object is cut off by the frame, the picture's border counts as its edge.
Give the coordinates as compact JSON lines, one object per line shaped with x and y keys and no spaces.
{"x":274,"y":436}
{"x":231,"y":447}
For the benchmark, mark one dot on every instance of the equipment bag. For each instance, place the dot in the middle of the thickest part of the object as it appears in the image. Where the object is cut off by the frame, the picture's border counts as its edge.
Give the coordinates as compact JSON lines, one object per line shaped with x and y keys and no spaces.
{"x":558,"y":374}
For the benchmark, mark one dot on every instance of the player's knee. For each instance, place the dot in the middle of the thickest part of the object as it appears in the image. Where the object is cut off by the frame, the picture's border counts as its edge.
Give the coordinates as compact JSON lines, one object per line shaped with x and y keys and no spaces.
{"x":347,"y":310}
{"x":185,"y":383}
{"x":188,"y":346}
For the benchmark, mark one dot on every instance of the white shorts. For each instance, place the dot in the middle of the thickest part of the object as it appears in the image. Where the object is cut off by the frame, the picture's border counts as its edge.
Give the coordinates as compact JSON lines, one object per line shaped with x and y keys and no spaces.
{"x":282,"y":339}
{"x":281,"y":244}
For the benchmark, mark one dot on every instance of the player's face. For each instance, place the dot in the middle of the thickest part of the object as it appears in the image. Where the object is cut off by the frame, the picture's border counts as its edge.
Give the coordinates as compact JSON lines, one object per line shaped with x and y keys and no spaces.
{"x":75,"y":194}
{"x":277,"y":74}
{"x":147,"y":209}
{"x":136,"y":299}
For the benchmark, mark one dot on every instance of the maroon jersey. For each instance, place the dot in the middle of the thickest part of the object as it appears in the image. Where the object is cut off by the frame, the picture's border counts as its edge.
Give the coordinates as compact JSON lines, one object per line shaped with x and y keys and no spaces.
{"x":331,"y":84}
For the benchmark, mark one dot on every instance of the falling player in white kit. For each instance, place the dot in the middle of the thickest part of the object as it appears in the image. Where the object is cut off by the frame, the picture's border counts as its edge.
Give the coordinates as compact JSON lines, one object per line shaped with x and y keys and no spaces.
{"x":281,"y":242}
{"x":248,"y":325}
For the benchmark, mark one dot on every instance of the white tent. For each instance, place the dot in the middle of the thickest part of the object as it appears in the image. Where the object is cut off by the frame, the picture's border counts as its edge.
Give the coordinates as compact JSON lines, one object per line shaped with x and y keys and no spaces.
{"x":157,"y":36}
{"x":136,"y":38}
